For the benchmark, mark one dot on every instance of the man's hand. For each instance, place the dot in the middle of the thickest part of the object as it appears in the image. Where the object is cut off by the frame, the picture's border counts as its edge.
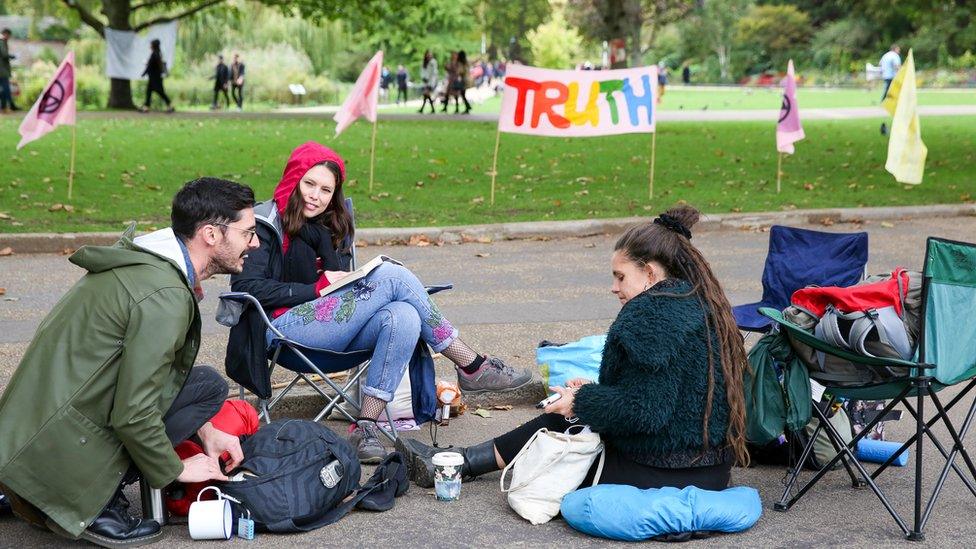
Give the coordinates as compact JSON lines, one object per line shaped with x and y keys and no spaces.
{"x":577,"y":382}
{"x":200,"y":468}
{"x":216,"y":443}
{"x":563,"y":406}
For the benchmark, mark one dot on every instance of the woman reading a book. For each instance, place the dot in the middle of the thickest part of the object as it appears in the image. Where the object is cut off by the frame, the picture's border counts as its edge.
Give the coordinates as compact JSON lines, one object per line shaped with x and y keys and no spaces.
{"x":301,"y":232}
{"x":668,"y":404}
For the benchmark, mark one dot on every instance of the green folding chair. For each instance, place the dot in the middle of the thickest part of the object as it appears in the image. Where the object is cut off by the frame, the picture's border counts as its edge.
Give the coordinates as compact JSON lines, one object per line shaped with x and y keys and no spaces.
{"x":946,"y":356}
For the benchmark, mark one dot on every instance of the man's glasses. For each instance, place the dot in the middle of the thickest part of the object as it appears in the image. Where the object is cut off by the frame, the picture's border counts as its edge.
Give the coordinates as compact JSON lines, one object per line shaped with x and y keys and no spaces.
{"x":251,"y":233}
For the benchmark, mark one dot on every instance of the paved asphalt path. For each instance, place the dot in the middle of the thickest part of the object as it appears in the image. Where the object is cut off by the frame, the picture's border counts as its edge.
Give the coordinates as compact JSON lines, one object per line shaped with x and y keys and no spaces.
{"x":508,"y":297}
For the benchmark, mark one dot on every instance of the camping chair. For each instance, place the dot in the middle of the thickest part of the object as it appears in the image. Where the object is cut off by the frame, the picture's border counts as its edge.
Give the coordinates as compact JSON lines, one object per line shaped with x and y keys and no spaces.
{"x":307,"y":362}
{"x":946,"y":356}
{"x":798,"y":258}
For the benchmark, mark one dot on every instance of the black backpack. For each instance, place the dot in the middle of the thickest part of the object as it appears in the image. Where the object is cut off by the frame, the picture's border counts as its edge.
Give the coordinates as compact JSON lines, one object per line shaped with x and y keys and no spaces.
{"x":302,"y":473}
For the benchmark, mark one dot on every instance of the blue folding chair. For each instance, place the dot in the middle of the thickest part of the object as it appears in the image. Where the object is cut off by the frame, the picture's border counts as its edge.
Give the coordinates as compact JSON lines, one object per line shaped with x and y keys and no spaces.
{"x":307,"y":362}
{"x":798,"y":258}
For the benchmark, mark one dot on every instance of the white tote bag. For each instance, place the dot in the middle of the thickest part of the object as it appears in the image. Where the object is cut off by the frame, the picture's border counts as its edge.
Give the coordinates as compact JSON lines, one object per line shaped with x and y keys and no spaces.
{"x":549,"y":466}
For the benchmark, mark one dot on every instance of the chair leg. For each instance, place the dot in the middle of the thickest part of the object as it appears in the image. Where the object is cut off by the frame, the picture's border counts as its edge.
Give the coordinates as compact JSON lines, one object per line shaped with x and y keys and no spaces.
{"x":922,"y":388}
{"x":784,"y":503}
{"x":847,"y":452}
{"x":950,"y":463}
{"x":935,"y":442}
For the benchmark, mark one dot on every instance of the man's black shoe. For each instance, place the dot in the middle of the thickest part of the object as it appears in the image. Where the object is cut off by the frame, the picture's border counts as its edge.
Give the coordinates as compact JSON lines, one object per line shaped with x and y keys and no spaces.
{"x":116,"y":528}
{"x":4,"y":505}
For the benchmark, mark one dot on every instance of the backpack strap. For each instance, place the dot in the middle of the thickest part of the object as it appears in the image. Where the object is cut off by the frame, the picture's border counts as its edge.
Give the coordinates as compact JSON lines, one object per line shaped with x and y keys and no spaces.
{"x":889,"y":327}
{"x":828,"y":329}
{"x":333,"y":515}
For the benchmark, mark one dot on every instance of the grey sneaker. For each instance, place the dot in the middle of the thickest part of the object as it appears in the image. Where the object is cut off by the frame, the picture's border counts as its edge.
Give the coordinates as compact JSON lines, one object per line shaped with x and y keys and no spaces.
{"x":494,"y":375}
{"x":366,"y":439}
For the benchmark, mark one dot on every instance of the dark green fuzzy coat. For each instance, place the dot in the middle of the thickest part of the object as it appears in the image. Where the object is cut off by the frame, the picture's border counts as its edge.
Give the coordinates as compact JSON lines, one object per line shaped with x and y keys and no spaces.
{"x":650,"y":399}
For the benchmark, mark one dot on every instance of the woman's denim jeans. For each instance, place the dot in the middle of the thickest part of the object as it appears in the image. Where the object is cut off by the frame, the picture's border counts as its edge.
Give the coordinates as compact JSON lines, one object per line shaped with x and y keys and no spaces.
{"x":386,"y":311}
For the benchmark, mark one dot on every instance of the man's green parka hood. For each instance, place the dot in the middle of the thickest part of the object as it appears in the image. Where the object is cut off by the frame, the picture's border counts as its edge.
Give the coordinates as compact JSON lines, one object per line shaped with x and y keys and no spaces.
{"x":162,"y":246}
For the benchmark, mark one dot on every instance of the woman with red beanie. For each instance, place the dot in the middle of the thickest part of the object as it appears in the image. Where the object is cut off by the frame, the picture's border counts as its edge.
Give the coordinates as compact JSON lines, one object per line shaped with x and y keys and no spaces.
{"x":300,"y":234}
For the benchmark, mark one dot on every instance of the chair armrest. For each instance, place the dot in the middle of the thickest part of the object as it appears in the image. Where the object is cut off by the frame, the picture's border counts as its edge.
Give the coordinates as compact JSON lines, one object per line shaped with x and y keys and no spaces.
{"x":435,"y":288}
{"x":809,"y":339}
{"x":246,"y":298}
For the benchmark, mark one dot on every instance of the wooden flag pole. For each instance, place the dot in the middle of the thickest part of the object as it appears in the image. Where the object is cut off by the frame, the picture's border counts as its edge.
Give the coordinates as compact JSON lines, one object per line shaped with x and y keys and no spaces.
{"x":372,"y":155}
{"x":71,"y":164}
{"x":494,"y":165}
{"x":779,"y":171}
{"x":650,"y":193}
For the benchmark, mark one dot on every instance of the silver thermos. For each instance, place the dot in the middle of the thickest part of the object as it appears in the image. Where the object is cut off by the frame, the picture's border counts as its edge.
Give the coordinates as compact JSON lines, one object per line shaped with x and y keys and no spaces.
{"x":153,"y":506}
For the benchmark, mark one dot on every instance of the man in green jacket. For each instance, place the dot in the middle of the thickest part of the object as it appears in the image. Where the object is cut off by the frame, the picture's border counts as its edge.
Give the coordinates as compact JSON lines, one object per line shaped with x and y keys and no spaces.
{"x":6,"y":97}
{"x":107,"y":386}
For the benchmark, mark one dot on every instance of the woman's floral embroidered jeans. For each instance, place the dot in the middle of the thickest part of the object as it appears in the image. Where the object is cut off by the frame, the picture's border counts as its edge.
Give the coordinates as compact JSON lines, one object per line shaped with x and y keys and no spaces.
{"x":386,"y":311}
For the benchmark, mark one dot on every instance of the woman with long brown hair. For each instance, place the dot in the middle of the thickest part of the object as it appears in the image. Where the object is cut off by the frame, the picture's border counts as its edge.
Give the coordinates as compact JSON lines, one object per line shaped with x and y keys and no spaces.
{"x":386,"y":311}
{"x":669,"y":404}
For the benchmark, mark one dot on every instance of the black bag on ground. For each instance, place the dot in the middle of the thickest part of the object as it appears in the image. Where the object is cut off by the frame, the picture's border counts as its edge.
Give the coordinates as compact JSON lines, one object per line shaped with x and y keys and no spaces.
{"x":302,"y":473}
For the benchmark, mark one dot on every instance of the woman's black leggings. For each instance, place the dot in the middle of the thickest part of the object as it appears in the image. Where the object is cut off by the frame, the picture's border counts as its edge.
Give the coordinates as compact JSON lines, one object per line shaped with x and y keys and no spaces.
{"x":618,"y":468}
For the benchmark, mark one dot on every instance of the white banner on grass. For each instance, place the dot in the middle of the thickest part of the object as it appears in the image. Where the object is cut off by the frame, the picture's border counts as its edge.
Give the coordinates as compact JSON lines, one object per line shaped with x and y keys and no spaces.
{"x":126,"y":53}
{"x":578,"y":103}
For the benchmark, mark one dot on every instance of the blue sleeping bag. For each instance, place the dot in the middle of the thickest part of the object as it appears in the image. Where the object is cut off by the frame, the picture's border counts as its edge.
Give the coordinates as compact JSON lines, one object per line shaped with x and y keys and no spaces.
{"x":626,"y":513}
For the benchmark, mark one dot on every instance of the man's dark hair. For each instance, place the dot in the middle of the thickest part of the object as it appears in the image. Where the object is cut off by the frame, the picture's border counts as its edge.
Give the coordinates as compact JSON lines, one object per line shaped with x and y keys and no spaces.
{"x":5,"y":31}
{"x":208,"y":200}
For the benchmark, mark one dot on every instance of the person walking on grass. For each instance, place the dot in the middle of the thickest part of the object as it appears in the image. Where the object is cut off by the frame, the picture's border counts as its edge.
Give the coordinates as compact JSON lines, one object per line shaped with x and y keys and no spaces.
{"x":402,"y":80}
{"x":6,"y":96}
{"x":237,"y":81}
{"x":221,"y":83}
{"x":155,"y":71}
{"x":428,"y":75}
{"x":890,"y":63}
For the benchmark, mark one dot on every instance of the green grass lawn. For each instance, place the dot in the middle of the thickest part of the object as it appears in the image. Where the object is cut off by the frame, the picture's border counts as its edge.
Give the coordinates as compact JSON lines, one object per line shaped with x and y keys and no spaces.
{"x":435,"y":172}
{"x":692,"y":98}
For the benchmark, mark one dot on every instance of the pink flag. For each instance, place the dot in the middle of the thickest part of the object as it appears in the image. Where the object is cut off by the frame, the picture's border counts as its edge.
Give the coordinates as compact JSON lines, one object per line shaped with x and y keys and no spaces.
{"x":56,"y":105}
{"x":789,"y":130}
{"x":362,"y":100}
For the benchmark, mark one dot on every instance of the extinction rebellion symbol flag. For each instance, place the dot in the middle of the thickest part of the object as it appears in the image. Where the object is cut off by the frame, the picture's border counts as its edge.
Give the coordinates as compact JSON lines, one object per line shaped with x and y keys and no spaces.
{"x":56,"y":105}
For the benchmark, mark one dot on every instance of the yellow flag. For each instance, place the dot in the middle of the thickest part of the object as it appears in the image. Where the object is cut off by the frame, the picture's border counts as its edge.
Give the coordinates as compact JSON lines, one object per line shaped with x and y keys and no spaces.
{"x":906,"y":152}
{"x":891,"y":98}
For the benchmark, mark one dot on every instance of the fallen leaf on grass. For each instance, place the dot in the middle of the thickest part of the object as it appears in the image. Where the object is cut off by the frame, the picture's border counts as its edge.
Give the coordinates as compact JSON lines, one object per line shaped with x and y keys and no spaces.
{"x":478,"y":200}
{"x":504,"y":407}
{"x":56,"y":208}
{"x":4,"y":215}
{"x":69,"y":208}
{"x":481,"y":412}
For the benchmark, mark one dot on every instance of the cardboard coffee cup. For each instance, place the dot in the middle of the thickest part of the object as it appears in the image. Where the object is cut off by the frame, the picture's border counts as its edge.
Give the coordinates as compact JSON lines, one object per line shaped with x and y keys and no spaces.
{"x":447,"y":475}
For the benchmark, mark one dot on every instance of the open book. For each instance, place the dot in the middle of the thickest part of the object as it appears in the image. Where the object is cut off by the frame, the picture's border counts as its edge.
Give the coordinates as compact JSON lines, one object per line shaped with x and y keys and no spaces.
{"x":357,"y":274}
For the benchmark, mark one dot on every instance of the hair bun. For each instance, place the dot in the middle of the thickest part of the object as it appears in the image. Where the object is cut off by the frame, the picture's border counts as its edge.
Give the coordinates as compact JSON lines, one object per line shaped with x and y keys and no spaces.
{"x":687,"y":216}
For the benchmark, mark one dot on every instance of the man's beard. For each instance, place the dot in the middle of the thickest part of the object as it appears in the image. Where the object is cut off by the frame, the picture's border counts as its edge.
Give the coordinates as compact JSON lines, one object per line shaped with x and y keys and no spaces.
{"x":225,"y":262}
